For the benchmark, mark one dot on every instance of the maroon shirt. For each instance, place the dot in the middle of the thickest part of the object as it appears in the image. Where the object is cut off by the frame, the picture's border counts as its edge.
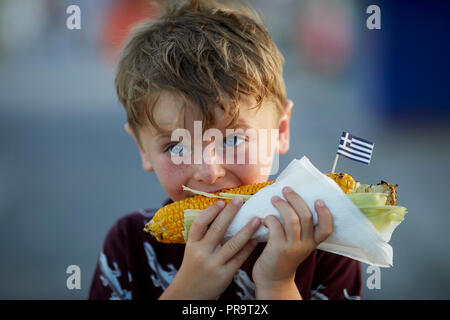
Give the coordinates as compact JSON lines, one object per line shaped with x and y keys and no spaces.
{"x":133,"y":265}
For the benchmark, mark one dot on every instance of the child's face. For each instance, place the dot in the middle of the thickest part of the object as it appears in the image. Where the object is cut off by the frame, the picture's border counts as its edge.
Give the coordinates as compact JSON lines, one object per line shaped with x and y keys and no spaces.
{"x":211,"y":173}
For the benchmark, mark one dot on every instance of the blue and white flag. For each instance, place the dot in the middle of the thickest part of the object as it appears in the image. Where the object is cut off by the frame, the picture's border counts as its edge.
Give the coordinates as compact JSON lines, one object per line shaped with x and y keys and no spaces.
{"x":355,"y":148}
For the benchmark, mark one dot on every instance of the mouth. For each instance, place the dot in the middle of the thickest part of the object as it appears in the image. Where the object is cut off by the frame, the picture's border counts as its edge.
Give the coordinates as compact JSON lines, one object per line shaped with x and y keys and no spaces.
{"x":220,"y":189}
{"x":214,"y":190}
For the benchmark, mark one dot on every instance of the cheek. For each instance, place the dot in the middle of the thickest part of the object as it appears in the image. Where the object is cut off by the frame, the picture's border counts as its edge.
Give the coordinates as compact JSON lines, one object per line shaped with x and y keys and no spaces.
{"x":259,"y":155}
{"x":251,"y":162}
{"x":251,"y":172}
{"x":171,"y":176}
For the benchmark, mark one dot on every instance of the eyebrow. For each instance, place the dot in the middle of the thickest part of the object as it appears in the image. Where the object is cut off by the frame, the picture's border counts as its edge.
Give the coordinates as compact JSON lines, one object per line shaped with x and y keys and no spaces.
{"x":240,"y":123}
{"x":164,"y":134}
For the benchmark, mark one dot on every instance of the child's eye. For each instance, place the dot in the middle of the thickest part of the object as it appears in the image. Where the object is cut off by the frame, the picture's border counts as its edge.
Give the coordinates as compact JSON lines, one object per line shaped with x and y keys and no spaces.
{"x":176,"y":149}
{"x":233,"y":141}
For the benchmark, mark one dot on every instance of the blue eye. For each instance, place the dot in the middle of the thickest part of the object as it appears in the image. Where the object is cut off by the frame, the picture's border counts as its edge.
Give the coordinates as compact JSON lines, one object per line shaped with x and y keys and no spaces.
{"x":176,"y":149}
{"x":233,"y":140}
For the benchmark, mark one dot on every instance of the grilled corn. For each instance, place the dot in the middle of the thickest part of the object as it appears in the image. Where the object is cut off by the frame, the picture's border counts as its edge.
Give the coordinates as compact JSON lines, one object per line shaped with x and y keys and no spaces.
{"x":168,"y":223}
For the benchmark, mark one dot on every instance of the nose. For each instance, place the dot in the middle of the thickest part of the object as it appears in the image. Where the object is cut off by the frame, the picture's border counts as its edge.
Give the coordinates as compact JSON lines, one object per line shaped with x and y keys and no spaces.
{"x":210,"y":169}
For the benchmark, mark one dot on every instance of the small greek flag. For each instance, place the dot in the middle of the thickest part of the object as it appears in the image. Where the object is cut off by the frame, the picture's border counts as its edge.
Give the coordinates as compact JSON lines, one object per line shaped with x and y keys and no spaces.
{"x":355,"y":148}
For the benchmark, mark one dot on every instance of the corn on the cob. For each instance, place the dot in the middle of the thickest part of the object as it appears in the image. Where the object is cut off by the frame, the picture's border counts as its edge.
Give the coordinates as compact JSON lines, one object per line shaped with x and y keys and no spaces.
{"x":345,"y":181}
{"x":168,"y":223}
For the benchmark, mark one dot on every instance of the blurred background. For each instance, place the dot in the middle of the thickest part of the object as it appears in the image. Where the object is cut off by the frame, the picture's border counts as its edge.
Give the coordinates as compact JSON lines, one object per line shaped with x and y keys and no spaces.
{"x":68,"y":170}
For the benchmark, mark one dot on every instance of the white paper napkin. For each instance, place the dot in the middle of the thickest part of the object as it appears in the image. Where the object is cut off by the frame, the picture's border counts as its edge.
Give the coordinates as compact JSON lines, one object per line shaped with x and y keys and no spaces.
{"x":353,"y":235}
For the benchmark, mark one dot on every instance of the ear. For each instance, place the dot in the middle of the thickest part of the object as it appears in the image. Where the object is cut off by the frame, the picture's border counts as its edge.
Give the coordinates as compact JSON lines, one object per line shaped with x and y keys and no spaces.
{"x":146,"y":165}
{"x":283,"y":127}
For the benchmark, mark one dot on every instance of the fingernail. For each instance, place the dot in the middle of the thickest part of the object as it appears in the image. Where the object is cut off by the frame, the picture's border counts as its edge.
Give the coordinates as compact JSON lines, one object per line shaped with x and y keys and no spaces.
{"x":221,"y":204}
{"x":320,"y":203}
{"x":287,"y":189}
{"x":276,"y":198}
{"x":255,"y":222}
{"x":237,"y":200}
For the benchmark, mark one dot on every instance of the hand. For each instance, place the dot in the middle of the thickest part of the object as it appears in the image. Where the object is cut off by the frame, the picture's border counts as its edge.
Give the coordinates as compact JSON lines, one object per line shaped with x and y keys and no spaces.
{"x":208,"y":268}
{"x":288,"y":246}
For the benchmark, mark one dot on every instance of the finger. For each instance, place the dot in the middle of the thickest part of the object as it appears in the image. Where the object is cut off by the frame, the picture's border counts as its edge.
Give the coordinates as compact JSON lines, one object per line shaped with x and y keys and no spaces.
{"x":217,"y":229}
{"x":202,"y":221}
{"x":276,"y":231}
{"x":236,"y":243}
{"x":290,"y":218}
{"x":236,"y":262}
{"x":300,"y":206}
{"x":324,"y":226}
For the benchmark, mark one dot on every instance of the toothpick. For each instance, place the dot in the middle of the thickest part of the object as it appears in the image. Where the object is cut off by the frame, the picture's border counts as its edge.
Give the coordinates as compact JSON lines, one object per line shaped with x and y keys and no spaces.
{"x":335,"y":162}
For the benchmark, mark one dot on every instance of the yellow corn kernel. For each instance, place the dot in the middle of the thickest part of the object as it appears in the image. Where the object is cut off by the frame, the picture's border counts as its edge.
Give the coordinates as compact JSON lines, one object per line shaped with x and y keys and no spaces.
{"x":167,"y":224}
{"x":344,"y":180}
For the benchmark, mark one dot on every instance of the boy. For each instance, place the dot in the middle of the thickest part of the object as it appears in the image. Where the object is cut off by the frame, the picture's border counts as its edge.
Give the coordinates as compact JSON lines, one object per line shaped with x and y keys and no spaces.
{"x":203,"y":61}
